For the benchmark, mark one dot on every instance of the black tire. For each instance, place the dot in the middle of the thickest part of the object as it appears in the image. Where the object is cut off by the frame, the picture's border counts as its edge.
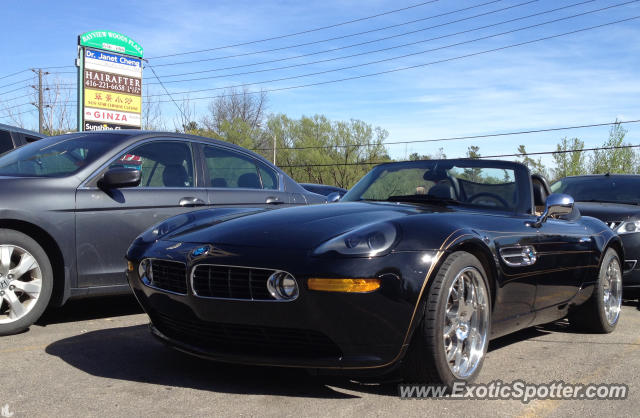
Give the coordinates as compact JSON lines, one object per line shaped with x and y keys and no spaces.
{"x":18,"y":239}
{"x":591,"y":315}
{"x":426,"y":361}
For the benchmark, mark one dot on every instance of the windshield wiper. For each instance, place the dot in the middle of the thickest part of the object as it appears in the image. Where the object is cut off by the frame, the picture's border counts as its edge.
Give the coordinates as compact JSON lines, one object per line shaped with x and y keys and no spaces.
{"x":423,"y":198}
{"x":622,"y":202}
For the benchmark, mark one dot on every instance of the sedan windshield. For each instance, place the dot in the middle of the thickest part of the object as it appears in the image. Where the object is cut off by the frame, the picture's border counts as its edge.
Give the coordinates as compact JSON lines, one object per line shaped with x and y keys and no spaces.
{"x":608,"y":189}
{"x":56,"y":156}
{"x":440,"y":182}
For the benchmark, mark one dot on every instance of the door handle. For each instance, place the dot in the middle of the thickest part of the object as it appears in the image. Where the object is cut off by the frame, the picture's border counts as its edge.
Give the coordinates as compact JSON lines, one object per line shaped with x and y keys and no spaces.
{"x":191,"y":201}
{"x":271,"y":200}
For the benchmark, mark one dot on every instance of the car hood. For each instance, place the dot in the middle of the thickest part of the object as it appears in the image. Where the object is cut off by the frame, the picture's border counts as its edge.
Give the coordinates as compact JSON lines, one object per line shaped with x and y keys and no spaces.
{"x":298,"y":227}
{"x":609,"y":212}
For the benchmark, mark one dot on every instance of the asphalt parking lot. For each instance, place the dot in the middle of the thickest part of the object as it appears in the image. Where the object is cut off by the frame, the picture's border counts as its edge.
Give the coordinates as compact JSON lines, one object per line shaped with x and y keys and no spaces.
{"x":96,"y":357}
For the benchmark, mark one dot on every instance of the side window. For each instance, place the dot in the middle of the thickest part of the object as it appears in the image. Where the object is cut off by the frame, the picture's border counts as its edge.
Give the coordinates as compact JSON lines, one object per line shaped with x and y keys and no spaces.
{"x":230,"y":169}
{"x":269,"y":178}
{"x":30,"y":139}
{"x":6,"y":143}
{"x":162,"y":164}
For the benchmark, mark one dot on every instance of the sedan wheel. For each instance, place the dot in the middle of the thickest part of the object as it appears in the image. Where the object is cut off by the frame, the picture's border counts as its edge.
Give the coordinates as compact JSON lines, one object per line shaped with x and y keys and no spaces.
{"x":466,"y":322}
{"x":26,"y":281}
{"x":20,"y":283}
{"x":451,"y":341}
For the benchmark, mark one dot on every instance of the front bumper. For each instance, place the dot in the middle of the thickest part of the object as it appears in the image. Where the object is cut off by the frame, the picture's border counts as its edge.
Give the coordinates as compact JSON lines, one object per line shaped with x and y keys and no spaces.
{"x":316,"y":330}
{"x":631,"y":278}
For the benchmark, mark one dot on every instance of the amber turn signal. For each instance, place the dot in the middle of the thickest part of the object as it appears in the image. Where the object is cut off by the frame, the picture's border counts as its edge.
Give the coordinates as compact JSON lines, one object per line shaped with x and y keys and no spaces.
{"x":344,"y":285}
{"x":129,"y":265}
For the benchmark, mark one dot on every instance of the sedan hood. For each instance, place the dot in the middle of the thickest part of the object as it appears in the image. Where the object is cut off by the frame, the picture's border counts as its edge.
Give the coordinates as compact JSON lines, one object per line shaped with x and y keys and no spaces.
{"x":295,"y":228}
{"x":609,"y":212}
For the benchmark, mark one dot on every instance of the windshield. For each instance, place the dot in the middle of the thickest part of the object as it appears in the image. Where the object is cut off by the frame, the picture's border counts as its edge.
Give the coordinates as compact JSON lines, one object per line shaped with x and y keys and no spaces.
{"x":603,"y":188}
{"x":56,"y":156}
{"x":440,"y":181}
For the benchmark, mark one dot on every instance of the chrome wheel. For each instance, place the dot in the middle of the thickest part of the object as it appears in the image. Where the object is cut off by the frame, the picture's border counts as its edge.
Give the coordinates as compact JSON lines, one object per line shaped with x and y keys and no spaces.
{"x":20,"y":283}
{"x":612,"y":291}
{"x":465,"y":333}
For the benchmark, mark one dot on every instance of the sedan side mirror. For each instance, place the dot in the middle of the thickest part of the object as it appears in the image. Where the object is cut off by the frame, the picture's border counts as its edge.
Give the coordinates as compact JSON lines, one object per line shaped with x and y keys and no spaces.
{"x":119,"y":177}
{"x":333,"y":197}
{"x":556,"y":205}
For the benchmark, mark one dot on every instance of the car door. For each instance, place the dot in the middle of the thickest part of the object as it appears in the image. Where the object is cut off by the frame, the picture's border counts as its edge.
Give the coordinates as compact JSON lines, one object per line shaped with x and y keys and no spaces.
{"x":108,"y":221}
{"x":565,"y":254}
{"x":237,"y":179}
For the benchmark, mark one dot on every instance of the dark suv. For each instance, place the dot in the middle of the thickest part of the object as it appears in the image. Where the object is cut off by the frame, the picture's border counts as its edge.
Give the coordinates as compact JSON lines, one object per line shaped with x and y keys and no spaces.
{"x":70,"y":206}
{"x":615,"y":200}
{"x":13,"y":137}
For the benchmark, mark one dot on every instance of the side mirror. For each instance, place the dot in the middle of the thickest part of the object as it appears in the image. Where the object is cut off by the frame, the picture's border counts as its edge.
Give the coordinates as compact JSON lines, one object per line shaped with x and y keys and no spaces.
{"x":556,"y":205}
{"x":333,"y":197}
{"x":119,"y":177}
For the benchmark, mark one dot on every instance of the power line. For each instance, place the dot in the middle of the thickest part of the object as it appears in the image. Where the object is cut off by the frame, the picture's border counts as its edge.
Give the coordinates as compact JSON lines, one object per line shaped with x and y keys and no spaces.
{"x":19,"y":113}
{"x":15,"y":83}
{"x":167,"y":91}
{"x":297,"y":33}
{"x":17,"y":97}
{"x":16,"y":73}
{"x":407,"y":55}
{"x":458,"y":138}
{"x":329,"y":39}
{"x":481,"y":157}
{"x":559,"y":151}
{"x":382,"y":49}
{"x":14,"y":90}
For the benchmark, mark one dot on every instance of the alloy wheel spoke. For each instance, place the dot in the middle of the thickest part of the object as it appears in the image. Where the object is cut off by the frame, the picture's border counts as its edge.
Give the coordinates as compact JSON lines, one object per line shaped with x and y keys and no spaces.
{"x":32,"y":288}
{"x":6,"y":251}
{"x":16,"y":309}
{"x":26,"y":264}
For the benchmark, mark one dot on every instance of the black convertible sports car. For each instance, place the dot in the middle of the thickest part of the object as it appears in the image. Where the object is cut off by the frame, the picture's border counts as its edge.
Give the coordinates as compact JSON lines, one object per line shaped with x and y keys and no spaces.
{"x":418,"y":266}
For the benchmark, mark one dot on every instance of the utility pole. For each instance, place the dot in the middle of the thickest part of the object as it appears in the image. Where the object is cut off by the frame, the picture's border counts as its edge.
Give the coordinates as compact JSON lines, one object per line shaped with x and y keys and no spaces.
{"x":274,"y":150}
{"x":40,"y":104}
{"x":40,"y":110}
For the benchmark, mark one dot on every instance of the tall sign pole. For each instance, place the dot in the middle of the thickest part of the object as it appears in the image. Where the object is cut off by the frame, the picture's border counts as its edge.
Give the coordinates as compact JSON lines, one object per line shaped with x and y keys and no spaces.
{"x":110,"y":81}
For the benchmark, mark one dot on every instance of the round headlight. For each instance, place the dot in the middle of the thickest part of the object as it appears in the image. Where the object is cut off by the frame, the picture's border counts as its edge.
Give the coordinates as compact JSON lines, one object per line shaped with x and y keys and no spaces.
{"x":282,"y":286}
{"x":630,"y":227}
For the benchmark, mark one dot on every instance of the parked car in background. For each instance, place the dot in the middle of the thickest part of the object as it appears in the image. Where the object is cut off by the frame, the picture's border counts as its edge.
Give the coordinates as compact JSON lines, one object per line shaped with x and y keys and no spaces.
{"x":417,"y":268}
{"x":333,"y":193}
{"x":614,"y":199}
{"x":71,"y":205}
{"x":13,"y":137}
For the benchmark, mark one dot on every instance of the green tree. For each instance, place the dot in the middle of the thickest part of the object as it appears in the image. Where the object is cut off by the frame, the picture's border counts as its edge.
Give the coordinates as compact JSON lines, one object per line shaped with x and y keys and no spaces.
{"x":535,"y":166}
{"x":614,"y":160}
{"x":570,"y":159}
{"x":317,"y":150}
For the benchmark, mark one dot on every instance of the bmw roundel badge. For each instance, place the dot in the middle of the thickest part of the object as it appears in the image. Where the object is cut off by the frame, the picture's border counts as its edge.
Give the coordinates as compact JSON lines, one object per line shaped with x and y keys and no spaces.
{"x":199,"y":251}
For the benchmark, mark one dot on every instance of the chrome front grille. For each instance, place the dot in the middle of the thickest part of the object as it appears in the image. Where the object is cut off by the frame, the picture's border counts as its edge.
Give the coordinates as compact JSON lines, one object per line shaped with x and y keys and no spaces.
{"x":231,"y":282}
{"x":169,"y":275}
{"x":614,"y":225}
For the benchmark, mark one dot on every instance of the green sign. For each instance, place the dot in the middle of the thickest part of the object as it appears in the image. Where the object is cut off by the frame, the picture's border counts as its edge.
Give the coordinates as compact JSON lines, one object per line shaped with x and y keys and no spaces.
{"x":111,"y":41}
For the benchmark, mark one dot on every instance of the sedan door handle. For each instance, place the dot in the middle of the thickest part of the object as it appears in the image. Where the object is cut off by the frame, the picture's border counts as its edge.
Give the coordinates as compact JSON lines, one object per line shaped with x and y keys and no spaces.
{"x":271,"y":200}
{"x":191,"y":201}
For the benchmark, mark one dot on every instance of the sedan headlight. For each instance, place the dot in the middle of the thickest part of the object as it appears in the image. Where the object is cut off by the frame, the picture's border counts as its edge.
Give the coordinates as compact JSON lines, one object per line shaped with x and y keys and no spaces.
{"x":628,"y":227}
{"x":367,"y":241}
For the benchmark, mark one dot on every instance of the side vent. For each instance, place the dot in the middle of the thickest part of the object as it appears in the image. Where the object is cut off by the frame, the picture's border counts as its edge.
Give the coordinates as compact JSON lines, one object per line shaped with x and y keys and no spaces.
{"x":518,"y":256}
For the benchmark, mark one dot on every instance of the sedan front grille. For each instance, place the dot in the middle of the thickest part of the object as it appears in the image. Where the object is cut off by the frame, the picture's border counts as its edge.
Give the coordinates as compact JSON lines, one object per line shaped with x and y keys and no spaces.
{"x":230,"y":282}
{"x":169,"y":275}
{"x":247,"y":339}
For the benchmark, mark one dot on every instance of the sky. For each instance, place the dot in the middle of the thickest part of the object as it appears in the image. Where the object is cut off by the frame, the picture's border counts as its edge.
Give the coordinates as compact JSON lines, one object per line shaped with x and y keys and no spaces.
{"x":454,"y":89}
